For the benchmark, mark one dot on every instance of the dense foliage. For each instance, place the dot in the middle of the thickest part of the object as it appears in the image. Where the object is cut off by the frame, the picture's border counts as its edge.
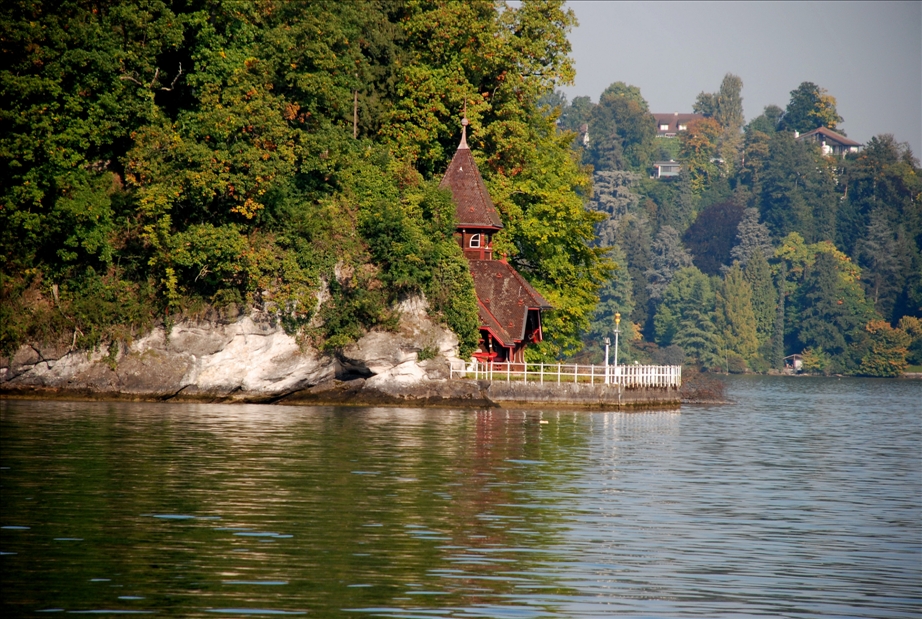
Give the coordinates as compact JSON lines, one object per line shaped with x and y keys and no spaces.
{"x":167,"y":157}
{"x":764,"y":246}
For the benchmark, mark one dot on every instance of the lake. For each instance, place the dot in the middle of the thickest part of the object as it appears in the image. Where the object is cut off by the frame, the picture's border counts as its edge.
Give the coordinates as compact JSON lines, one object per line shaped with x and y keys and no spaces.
{"x":801,"y":499}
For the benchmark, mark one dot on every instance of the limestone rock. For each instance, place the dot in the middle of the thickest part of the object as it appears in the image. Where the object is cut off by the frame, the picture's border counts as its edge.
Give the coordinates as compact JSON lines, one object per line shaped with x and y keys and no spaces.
{"x":386,"y":356}
{"x":243,"y":359}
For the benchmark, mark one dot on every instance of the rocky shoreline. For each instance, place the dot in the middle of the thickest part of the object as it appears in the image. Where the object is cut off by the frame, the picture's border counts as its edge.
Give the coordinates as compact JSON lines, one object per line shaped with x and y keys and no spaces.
{"x":252,"y":359}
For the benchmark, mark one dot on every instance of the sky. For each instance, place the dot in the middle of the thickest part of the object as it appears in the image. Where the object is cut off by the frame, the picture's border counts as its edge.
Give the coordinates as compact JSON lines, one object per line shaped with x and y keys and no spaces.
{"x":868,"y":55}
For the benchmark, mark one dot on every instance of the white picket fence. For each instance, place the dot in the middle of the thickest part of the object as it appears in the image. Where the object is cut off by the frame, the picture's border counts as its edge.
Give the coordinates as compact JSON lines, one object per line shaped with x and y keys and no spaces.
{"x":628,"y":376}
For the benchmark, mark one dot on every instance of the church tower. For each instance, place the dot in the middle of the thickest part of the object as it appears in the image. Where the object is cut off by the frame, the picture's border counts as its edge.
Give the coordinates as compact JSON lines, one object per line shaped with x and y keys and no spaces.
{"x":509,"y":308}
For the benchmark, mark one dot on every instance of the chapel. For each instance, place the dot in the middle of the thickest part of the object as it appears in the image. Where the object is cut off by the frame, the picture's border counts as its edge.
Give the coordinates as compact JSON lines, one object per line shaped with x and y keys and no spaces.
{"x":509,"y":308}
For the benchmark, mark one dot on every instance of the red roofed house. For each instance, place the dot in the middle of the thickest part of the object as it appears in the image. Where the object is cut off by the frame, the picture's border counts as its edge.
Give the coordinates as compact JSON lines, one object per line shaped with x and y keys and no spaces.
{"x":669,"y":125}
{"x":831,"y":142}
{"x":509,"y":308}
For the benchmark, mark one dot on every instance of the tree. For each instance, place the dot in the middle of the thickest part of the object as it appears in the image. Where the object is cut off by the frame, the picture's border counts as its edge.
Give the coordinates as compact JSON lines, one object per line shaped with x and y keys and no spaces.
{"x":621,"y":131}
{"x":614,"y":296}
{"x":764,"y":295}
{"x":810,"y":107}
{"x":613,"y":194}
{"x":735,"y":318}
{"x":710,"y":238}
{"x":726,"y":107}
{"x":634,"y":238}
{"x":831,"y":311}
{"x":685,"y":317}
{"x":192,"y":155}
{"x":888,"y":350}
{"x":666,"y":258}
{"x":880,"y":223}
{"x":767,"y":122}
{"x":752,"y":237}
{"x":912,"y":326}
{"x":778,"y":329}
{"x":698,"y":151}
{"x":883,"y":255}
{"x":626,"y":91}
{"x":797,"y":190}
{"x":575,"y":115}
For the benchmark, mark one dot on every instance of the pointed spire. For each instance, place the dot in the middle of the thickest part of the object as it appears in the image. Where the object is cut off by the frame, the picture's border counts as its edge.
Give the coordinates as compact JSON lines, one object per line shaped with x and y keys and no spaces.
{"x":464,"y":123}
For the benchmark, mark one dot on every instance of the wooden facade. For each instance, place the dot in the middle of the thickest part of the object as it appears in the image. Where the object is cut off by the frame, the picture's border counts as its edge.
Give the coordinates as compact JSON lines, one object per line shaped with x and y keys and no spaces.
{"x":509,"y":308}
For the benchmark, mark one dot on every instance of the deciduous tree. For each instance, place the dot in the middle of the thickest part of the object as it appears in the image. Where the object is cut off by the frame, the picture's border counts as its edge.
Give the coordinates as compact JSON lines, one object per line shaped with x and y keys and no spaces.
{"x":810,"y":107}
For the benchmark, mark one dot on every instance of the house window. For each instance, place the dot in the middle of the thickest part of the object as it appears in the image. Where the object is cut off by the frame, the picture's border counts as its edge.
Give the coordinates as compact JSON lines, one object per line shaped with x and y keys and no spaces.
{"x":683,"y":127}
{"x":663,"y":127}
{"x":475,"y":240}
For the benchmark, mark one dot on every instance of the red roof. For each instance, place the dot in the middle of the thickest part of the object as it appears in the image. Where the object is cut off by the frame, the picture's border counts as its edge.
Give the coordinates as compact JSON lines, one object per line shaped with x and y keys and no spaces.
{"x":829,"y":134}
{"x":674,"y":120}
{"x":472,"y":200}
{"x":504,"y":299}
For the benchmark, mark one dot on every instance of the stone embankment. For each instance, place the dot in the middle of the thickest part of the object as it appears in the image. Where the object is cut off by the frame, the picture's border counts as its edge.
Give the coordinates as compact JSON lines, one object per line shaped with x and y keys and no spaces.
{"x":252,"y":359}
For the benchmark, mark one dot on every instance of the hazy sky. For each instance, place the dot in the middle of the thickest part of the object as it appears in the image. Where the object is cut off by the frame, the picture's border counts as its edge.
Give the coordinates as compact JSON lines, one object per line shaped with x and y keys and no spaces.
{"x":868,"y":55}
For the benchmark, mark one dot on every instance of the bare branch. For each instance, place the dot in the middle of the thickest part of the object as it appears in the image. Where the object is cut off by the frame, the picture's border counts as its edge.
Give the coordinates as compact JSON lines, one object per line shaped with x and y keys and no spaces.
{"x":131,"y":79}
{"x":154,"y":81}
{"x":173,"y":83}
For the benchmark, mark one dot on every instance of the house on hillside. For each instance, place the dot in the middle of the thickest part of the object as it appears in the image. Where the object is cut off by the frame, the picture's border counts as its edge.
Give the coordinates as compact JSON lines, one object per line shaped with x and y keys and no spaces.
{"x":509,"y":308}
{"x":666,"y":169}
{"x":669,"y":125}
{"x":831,"y":142}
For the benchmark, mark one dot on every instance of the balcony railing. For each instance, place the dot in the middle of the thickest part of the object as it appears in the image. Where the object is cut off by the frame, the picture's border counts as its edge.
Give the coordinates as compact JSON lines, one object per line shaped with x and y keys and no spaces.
{"x":627,"y":376}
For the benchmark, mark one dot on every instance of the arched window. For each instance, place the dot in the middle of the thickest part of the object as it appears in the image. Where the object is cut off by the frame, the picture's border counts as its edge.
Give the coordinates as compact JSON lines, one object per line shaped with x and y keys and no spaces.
{"x":475,"y":240}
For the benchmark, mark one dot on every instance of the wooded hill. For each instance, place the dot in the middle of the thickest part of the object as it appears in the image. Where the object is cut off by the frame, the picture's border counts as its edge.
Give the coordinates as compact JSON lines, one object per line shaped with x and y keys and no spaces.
{"x":160,"y":159}
{"x":763,"y":246}
{"x":166,"y":158}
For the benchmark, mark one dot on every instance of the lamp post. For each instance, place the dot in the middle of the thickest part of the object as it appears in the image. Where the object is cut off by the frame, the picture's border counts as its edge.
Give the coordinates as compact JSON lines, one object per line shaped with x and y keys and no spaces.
{"x":617,"y":332}
{"x":607,"y":344}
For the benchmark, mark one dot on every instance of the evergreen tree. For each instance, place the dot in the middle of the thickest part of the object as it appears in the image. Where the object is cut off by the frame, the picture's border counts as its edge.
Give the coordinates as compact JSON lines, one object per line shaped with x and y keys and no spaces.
{"x":697,"y":336}
{"x":798,"y":190}
{"x":634,"y":239}
{"x":880,"y":223}
{"x":764,"y":295}
{"x":831,"y":314}
{"x":778,"y":331}
{"x":752,"y":237}
{"x":735,"y":318}
{"x":613,"y":194}
{"x":883,"y":255}
{"x":614,"y":296}
{"x":685,"y":317}
{"x":667,"y":256}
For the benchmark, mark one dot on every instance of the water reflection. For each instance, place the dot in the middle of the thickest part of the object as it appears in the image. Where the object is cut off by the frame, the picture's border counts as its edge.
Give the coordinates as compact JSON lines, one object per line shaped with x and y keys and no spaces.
{"x":202,"y":508}
{"x":802,"y":500}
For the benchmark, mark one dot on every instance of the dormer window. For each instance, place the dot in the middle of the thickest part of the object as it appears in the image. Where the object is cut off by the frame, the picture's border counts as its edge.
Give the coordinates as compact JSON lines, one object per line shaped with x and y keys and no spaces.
{"x":475,"y":241}
{"x":683,"y":127}
{"x":664,"y":127}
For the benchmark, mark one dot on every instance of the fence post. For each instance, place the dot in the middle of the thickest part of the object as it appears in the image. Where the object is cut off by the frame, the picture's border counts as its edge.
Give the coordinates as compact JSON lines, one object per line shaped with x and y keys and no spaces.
{"x":541,"y":380}
{"x":525,"y":371}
